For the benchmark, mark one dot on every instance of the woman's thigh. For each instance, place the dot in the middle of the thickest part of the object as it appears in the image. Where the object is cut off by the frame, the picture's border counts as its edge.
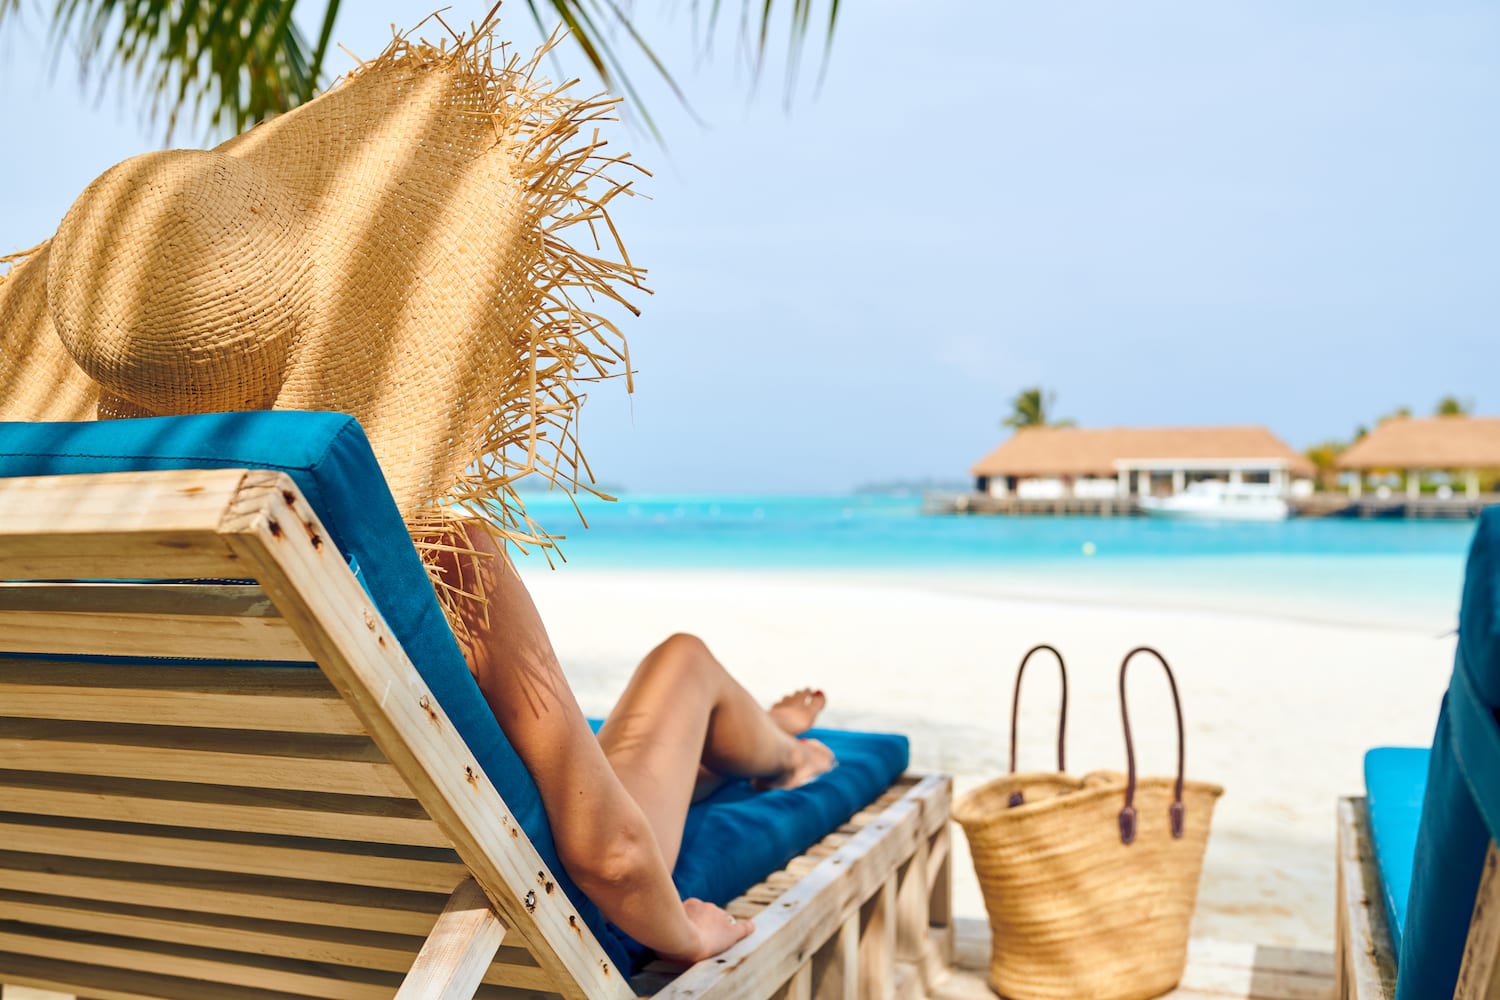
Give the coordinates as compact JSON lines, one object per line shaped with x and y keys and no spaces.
{"x":654,"y":736}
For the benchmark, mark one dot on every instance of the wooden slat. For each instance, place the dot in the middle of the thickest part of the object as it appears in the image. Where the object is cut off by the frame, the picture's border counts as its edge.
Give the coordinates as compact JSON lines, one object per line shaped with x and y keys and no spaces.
{"x":132,"y":525}
{"x":911,"y":904}
{"x":215,"y":600}
{"x":14,"y":992}
{"x":877,"y":941}
{"x":420,"y":869}
{"x":278,"y":699}
{"x":1366,"y":959}
{"x":187,"y":962}
{"x":86,"y":881}
{"x":835,"y":965}
{"x":350,"y":765}
{"x":99,"y":983}
{"x":940,"y":921}
{"x":914,"y":930}
{"x":336,"y":621}
{"x":332,"y":945}
{"x":216,"y":807}
{"x":121,"y":984}
{"x":799,"y":987}
{"x":1479,"y":975}
{"x":455,"y":956}
{"x":359,"y":947}
{"x":940,"y":849}
{"x":81,"y":633}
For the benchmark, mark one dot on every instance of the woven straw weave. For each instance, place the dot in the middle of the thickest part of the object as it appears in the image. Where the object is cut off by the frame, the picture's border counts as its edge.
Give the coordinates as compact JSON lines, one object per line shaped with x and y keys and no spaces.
{"x":397,"y":249}
{"x":1075,"y":912}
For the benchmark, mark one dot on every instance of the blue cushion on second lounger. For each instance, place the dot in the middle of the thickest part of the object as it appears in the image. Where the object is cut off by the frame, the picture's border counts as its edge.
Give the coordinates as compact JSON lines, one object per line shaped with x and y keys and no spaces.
{"x":330,"y":460}
{"x":1461,"y":810}
{"x":1395,"y":782}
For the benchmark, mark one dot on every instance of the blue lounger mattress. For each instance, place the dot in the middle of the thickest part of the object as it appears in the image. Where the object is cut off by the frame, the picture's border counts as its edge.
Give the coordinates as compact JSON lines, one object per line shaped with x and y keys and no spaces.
{"x":732,"y":841}
{"x":1395,"y":783}
{"x":738,"y":836}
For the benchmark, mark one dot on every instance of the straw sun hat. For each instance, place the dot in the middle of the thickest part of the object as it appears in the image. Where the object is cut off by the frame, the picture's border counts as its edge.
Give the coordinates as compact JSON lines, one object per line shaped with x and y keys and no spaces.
{"x":397,"y":249}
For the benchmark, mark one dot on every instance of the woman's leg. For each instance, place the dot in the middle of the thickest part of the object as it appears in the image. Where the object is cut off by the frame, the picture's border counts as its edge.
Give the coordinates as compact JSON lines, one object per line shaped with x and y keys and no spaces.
{"x":681,"y":710}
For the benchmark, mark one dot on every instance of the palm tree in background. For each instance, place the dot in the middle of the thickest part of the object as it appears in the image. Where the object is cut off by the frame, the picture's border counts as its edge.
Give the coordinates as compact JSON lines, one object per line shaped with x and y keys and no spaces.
{"x":1325,"y":459}
{"x":1399,"y":413}
{"x":1452,"y":406}
{"x":1033,"y":408}
{"x":237,"y":62}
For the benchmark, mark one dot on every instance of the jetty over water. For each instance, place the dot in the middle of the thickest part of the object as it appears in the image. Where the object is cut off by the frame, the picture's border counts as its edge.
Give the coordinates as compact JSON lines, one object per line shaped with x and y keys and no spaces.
{"x":1315,"y":505}
{"x":1418,"y":468}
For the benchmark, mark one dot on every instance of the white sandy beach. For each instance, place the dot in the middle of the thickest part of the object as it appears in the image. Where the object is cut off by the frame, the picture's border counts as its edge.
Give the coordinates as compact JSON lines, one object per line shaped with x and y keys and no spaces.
{"x":1279,"y":711}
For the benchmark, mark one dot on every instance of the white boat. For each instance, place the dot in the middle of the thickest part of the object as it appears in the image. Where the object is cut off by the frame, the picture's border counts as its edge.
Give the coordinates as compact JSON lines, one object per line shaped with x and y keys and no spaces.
{"x":1212,"y":500}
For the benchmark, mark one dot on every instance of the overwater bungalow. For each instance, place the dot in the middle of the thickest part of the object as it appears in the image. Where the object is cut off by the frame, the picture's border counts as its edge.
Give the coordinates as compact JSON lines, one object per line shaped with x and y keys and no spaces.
{"x":1414,"y":447}
{"x":1050,"y":463}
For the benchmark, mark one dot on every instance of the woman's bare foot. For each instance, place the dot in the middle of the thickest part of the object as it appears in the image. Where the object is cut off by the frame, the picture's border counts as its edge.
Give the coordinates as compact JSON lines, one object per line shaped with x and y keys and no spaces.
{"x":810,"y":759}
{"x":796,"y":713}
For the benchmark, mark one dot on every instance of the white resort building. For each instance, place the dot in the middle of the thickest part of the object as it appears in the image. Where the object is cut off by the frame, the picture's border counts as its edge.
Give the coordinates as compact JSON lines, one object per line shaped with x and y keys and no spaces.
{"x":1048,"y":463}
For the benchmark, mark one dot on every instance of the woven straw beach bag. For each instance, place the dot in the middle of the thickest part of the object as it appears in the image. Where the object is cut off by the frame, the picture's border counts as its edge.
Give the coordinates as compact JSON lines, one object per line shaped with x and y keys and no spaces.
{"x":1089,"y":882}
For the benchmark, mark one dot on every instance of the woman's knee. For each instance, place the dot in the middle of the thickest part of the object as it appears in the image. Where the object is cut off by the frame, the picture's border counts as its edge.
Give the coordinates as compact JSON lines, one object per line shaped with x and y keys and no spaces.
{"x":683,"y":644}
{"x":683,"y":654}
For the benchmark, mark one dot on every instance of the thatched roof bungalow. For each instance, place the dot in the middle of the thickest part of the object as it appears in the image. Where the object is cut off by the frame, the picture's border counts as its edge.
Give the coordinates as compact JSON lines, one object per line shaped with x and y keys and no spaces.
{"x":1119,"y":461}
{"x":1415,"y":445}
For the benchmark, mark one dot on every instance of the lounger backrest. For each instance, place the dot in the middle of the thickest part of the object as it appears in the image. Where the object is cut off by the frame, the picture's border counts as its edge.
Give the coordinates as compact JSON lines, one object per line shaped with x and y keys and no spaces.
{"x":1452,"y":932}
{"x":1479,"y":615}
{"x":163,"y":814}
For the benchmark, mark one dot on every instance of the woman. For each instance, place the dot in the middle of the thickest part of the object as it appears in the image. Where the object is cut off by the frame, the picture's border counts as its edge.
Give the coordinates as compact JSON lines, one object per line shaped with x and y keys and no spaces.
{"x":617,"y":803}
{"x":396,"y":249}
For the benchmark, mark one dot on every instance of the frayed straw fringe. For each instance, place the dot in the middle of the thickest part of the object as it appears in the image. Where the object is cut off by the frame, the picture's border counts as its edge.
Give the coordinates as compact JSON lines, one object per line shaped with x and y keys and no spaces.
{"x":435,"y":536}
{"x":566,"y":181}
{"x":17,"y":258}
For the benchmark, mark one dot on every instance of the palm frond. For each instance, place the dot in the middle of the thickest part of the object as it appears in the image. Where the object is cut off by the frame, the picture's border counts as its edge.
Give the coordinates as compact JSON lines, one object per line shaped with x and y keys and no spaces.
{"x":232,"y":63}
{"x":592,"y":22}
{"x":229,"y":63}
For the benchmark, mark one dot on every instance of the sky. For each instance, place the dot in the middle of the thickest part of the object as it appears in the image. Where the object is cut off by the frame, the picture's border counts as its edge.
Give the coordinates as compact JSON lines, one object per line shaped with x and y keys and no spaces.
{"x":1262,"y":211}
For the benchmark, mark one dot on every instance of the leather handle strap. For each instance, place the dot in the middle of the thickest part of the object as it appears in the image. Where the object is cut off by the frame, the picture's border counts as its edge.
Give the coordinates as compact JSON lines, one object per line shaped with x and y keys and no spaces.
{"x":1178,"y":811}
{"x":1016,"y":798}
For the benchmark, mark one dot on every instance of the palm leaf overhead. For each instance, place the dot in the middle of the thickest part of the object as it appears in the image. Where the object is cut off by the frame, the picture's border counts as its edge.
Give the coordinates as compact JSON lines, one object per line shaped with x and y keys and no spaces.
{"x":232,"y":63}
{"x":1032,"y":407}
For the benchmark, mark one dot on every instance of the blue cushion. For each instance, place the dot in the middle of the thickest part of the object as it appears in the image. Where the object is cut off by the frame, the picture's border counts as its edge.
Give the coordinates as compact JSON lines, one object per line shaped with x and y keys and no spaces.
{"x":330,"y":460}
{"x":738,"y":836}
{"x":1395,"y":782}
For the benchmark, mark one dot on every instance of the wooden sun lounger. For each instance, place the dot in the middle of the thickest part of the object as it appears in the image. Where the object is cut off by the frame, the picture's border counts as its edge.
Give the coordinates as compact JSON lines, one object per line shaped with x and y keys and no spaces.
{"x":265,"y":832}
{"x":1365,"y":960}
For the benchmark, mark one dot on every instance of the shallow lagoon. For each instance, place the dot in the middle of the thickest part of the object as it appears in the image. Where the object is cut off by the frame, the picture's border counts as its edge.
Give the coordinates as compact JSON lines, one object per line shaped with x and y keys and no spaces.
{"x":1379,"y":572}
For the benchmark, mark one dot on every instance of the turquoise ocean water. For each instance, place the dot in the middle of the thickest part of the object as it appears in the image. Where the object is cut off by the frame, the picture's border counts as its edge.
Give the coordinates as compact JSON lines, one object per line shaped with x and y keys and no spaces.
{"x":1387,"y":572}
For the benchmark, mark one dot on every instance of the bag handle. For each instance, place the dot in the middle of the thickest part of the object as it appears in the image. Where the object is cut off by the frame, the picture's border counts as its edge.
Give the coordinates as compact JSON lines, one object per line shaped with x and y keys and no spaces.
{"x":1178,"y":811}
{"x":1016,"y":798}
